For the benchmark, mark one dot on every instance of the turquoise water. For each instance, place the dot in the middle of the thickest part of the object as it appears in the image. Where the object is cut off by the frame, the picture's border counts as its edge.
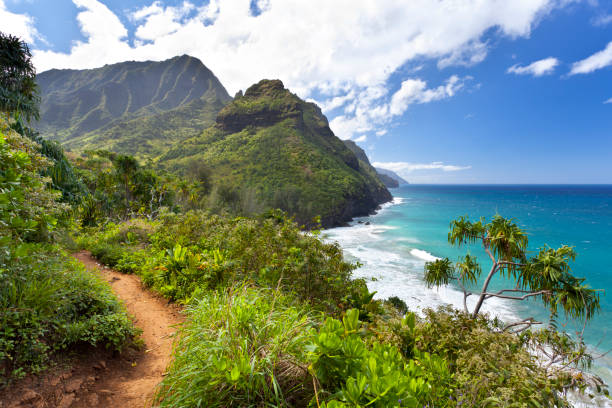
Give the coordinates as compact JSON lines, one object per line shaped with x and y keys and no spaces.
{"x":413,"y":229}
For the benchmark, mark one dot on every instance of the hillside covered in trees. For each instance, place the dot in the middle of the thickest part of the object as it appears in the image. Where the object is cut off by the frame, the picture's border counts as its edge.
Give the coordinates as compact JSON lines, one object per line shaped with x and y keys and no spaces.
{"x":137,"y":108}
{"x":265,"y":149}
{"x":277,"y":151}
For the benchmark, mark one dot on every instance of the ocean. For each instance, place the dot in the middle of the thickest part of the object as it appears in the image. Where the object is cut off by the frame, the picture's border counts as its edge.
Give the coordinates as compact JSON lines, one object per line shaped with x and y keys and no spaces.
{"x":393,"y":245}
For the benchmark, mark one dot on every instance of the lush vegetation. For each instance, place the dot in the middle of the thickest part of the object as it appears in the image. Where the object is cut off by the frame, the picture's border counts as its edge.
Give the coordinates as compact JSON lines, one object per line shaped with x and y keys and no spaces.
{"x":48,"y":301}
{"x":271,"y":149}
{"x":183,"y":256}
{"x":545,"y":276}
{"x":274,"y":316}
{"x":252,"y":284}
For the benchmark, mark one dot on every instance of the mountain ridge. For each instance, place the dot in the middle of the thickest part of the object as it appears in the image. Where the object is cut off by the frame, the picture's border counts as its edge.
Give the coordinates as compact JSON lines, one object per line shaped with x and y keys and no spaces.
{"x":78,"y":107}
{"x":392,"y":175}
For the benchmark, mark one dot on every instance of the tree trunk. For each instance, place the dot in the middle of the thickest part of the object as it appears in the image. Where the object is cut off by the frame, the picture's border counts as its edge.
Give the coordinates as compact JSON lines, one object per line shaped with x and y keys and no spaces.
{"x":485,"y":286}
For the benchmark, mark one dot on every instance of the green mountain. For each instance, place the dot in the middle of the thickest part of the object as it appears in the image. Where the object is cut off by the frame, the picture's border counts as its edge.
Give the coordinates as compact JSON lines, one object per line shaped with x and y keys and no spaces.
{"x":385,"y":174}
{"x":278,"y":150}
{"x":364,"y":163}
{"x":388,"y":181}
{"x":139,"y":108}
{"x":388,"y":178}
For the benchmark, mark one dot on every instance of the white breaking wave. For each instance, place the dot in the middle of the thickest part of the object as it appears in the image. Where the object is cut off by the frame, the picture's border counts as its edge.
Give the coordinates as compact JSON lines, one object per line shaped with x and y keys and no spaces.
{"x":391,"y":266}
{"x":424,"y":255}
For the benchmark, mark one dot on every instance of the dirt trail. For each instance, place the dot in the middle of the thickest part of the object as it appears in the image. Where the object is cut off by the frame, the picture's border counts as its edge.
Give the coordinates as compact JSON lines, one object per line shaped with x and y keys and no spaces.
{"x":132,"y":384}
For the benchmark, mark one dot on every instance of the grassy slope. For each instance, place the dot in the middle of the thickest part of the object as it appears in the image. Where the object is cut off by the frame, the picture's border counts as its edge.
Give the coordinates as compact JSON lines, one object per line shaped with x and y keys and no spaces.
{"x":149,"y":136}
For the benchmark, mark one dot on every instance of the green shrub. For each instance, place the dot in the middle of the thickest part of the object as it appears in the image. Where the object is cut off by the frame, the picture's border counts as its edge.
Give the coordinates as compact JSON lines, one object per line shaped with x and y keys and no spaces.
{"x":185,"y":254}
{"x":353,"y":373}
{"x":398,"y":304}
{"x":131,"y":261}
{"x":241,"y":347}
{"x":49,"y":302}
{"x":29,"y":210}
{"x":491,"y":367}
{"x":108,"y":254}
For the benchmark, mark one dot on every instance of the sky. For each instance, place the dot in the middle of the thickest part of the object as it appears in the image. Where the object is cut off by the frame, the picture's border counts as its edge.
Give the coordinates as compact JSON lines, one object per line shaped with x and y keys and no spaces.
{"x":440,"y":91}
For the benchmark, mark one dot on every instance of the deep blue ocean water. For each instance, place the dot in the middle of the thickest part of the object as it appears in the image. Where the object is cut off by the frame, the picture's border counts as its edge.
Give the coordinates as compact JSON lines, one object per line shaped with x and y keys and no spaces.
{"x":413,"y":229}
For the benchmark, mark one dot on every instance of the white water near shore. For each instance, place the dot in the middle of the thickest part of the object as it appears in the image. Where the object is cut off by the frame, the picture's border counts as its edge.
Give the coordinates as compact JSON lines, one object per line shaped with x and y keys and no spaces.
{"x":393,"y":266}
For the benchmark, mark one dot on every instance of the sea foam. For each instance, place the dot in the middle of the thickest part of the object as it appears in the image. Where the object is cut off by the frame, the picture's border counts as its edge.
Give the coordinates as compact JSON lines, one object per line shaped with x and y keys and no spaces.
{"x":392,"y":266}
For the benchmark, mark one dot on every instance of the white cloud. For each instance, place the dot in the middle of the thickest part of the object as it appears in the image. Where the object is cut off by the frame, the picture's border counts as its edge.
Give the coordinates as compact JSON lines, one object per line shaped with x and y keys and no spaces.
{"x":406,"y":167}
{"x":596,"y":61}
{"x":343,"y":51}
{"x":468,"y":55}
{"x":415,"y":91}
{"x":158,"y":21}
{"x":608,"y":100}
{"x":336,"y":101}
{"x":602,"y":20}
{"x":538,"y":68}
{"x":372,"y":108}
{"x":361,"y":138}
{"x":20,"y":25}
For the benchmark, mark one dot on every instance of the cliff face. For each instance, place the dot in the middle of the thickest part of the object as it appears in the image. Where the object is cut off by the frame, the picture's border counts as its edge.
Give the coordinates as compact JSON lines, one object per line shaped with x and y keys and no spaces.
{"x":270,"y":144}
{"x":388,"y":181}
{"x":130,"y":107}
{"x":391,"y":175}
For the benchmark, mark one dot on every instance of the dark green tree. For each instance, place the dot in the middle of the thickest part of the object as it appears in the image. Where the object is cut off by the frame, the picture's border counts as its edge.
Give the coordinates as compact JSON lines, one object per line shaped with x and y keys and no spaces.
{"x":18,"y":90}
{"x":19,"y":99}
{"x":126,"y":167}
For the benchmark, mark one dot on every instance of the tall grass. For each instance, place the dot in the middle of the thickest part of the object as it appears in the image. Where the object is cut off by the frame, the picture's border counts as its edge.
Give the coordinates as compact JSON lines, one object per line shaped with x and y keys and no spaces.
{"x":241,"y":347}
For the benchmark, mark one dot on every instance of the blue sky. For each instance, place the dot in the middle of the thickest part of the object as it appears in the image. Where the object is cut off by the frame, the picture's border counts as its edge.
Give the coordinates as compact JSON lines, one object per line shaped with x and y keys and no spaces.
{"x":460,"y":91}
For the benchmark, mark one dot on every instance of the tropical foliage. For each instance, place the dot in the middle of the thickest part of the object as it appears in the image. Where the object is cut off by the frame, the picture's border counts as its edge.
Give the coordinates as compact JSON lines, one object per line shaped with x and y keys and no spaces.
{"x":359,"y":351}
{"x":274,"y":315}
{"x":545,"y":276}
{"x":48,"y":302}
{"x":18,"y":91}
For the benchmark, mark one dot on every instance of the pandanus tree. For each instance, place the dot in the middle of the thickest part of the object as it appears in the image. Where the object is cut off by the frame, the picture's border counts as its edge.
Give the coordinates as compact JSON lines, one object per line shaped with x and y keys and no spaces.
{"x":546,"y":275}
{"x":125,"y":168}
{"x":18,"y":92}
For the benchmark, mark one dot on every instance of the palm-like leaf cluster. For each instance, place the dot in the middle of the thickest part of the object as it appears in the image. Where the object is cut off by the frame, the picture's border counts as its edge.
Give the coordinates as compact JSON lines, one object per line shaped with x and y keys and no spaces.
{"x":547,"y":275}
{"x":18,"y":90}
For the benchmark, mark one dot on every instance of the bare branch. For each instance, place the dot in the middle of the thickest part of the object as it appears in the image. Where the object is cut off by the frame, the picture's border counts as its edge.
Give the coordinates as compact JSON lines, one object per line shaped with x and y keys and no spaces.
{"x":465,"y":294}
{"x":528,"y":322}
{"x":541,"y":292}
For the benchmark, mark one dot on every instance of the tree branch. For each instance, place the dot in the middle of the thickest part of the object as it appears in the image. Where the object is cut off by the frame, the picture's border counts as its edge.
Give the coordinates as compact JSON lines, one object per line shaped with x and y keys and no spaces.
{"x":465,"y":294}
{"x":483,"y":295}
{"x":541,"y":292}
{"x":528,"y":322}
{"x":486,"y":248}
